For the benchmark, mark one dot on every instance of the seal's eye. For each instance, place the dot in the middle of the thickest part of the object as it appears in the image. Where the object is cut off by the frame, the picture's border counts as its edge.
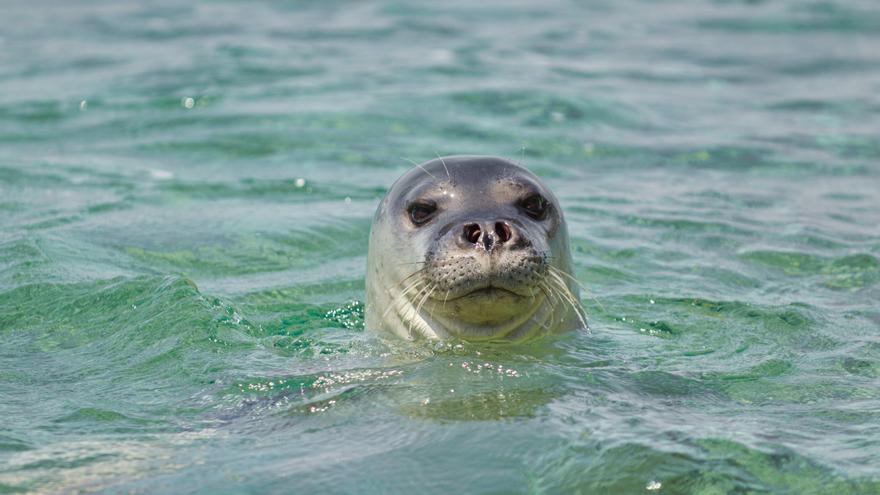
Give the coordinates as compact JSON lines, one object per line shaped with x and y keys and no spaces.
{"x":421,"y":212}
{"x":535,"y":206}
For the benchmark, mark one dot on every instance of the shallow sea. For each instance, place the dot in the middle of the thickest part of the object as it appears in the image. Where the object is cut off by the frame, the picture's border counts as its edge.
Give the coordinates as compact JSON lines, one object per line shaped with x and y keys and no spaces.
{"x":185,"y":198}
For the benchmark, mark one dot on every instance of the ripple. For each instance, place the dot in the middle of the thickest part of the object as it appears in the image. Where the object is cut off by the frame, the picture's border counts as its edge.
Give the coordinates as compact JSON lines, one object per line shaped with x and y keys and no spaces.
{"x":536,"y":109}
{"x":185,"y":202}
{"x":848,"y":272}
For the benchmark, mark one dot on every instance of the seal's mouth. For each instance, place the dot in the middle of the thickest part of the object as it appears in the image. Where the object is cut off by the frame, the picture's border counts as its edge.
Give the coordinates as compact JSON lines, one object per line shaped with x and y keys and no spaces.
{"x":491,"y":291}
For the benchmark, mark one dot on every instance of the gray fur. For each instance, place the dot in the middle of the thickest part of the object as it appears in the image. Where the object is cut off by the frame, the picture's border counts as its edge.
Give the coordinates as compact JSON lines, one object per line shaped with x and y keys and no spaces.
{"x":431,"y":281}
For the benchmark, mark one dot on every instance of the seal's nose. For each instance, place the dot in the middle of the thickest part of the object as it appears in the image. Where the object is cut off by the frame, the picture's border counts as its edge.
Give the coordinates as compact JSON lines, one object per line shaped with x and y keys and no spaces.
{"x":486,"y":235}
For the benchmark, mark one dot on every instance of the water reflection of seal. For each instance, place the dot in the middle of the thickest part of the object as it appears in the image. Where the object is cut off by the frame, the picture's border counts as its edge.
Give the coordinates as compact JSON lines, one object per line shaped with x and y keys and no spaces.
{"x":470,"y":247}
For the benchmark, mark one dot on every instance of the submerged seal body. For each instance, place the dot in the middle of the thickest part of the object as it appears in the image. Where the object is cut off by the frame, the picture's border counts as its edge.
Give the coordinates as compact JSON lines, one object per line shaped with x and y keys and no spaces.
{"x":470,"y":247}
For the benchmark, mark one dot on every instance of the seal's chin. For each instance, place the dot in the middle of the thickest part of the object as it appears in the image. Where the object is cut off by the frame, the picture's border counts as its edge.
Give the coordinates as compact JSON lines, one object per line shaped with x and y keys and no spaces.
{"x":488,"y":288}
{"x":487,"y":304}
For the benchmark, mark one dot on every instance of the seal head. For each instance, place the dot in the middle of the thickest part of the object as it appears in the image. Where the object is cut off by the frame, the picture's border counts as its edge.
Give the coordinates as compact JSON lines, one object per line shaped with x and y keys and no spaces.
{"x":470,"y":247}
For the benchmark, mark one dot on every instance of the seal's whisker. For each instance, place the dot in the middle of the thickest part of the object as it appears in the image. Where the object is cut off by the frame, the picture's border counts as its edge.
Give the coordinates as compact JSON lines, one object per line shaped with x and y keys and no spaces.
{"x":578,"y":282}
{"x":411,"y":286}
{"x":411,"y":311}
{"x":409,"y":160}
{"x":418,"y":294}
{"x":563,"y":296}
{"x":548,"y":295}
{"x":428,"y":295}
{"x":428,"y":291}
{"x":554,"y":294}
{"x":566,"y":292}
{"x":554,"y":297}
{"x":561,"y":285}
{"x":448,"y":176}
{"x":567,"y":275}
{"x":425,"y":297}
{"x":411,"y":275}
{"x":400,"y":297}
{"x":420,"y":166}
{"x":544,"y":289}
{"x":416,"y":285}
{"x":434,"y":306}
{"x":402,"y":294}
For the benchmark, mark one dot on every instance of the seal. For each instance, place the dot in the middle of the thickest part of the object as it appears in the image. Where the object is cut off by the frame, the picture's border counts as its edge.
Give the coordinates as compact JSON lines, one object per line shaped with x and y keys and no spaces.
{"x":473,"y":248}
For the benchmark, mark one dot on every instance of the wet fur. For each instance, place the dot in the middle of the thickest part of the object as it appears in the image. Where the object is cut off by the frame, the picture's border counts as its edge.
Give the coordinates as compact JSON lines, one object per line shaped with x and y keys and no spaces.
{"x":422,"y":283}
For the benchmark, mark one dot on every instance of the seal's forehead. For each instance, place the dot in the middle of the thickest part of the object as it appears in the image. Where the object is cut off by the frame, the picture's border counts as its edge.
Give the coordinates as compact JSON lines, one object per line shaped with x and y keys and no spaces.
{"x":480,"y":173}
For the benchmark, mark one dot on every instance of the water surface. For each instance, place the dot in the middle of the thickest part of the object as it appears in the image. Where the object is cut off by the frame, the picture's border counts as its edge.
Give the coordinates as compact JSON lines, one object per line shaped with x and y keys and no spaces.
{"x":185,"y":200}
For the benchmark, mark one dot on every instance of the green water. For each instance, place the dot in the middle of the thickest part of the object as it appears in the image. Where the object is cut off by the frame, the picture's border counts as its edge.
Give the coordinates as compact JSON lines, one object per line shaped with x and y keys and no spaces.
{"x":185,"y":198}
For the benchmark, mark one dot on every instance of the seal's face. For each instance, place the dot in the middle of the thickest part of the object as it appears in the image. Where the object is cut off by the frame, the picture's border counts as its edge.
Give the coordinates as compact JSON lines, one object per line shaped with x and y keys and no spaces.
{"x":471,"y":247}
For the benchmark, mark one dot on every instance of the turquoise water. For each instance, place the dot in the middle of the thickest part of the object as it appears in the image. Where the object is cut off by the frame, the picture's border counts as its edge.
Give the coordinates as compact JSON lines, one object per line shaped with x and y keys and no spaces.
{"x":185,"y":200}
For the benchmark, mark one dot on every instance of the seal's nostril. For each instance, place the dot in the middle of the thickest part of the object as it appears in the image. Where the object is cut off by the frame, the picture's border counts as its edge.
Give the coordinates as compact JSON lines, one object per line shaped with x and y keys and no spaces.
{"x":472,"y":233}
{"x":503,"y":231}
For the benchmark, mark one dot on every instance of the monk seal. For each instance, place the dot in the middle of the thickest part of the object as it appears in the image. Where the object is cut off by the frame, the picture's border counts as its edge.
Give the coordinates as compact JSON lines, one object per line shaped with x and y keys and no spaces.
{"x":472,"y":248}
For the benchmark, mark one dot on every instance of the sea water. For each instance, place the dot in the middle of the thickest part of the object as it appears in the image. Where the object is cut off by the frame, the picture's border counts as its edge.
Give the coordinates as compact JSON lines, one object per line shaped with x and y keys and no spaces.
{"x":186,"y":190}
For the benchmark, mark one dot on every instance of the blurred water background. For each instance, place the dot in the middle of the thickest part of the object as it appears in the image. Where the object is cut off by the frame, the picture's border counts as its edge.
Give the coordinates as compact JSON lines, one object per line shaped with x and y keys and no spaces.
{"x":185,"y":197}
